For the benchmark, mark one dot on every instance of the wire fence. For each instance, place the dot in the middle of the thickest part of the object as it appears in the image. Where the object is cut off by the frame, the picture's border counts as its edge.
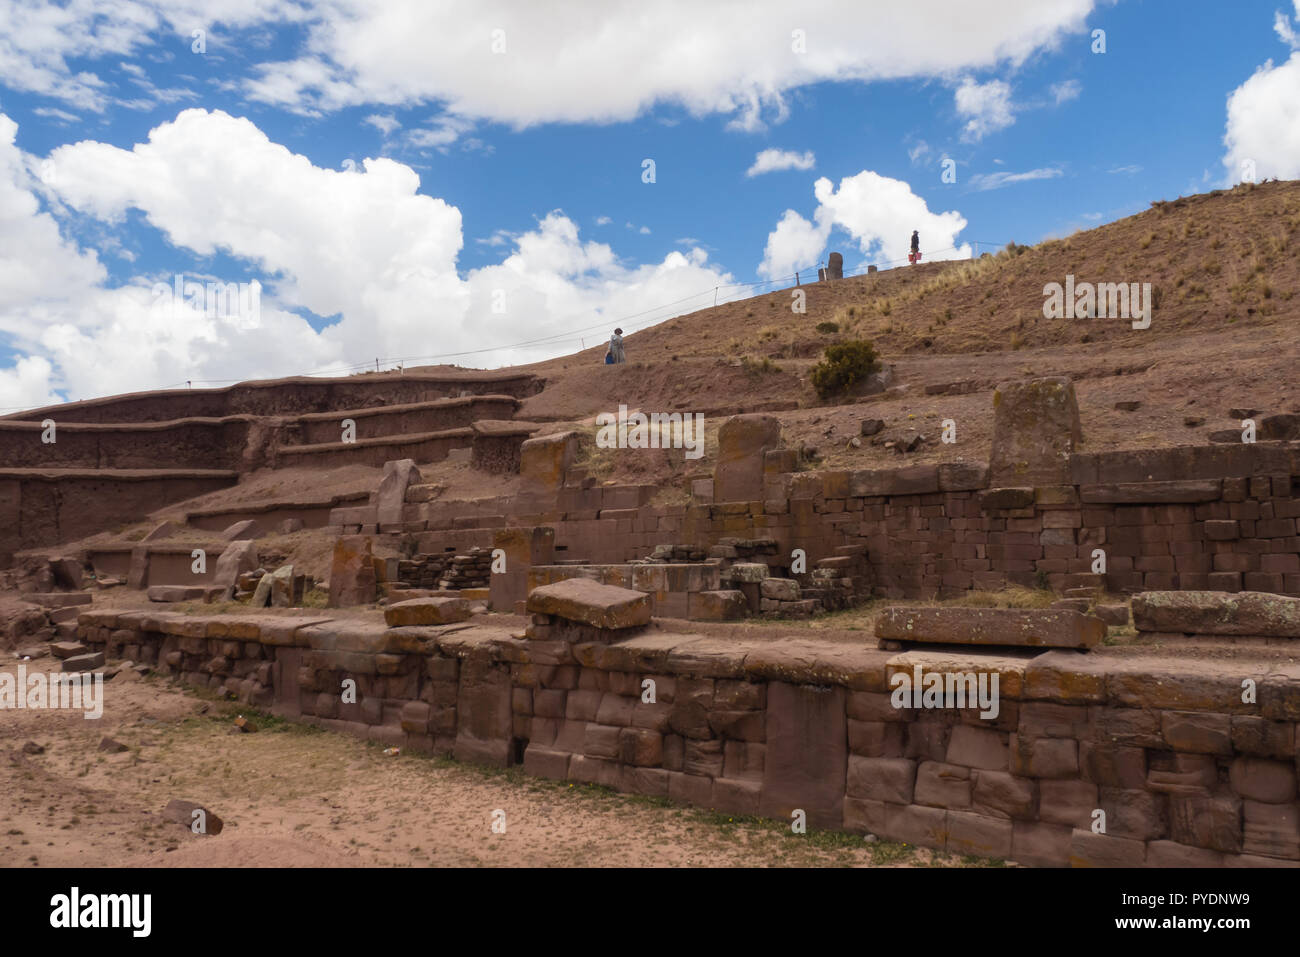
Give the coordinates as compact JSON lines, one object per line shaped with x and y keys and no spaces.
{"x":637,"y":321}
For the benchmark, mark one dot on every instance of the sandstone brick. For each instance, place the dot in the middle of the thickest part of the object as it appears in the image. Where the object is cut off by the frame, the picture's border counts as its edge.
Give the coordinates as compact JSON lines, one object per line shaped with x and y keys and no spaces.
{"x":1170,"y":854}
{"x":640,"y":747}
{"x":881,"y":779}
{"x":1134,"y":813}
{"x":1067,"y":802}
{"x":1101,"y":850}
{"x":1271,"y":830}
{"x":690,"y":789}
{"x":1206,"y":820}
{"x":601,"y":741}
{"x":1000,"y":794}
{"x":1029,"y":627}
{"x":970,"y":833}
{"x":912,"y":824}
{"x":1263,"y":738}
{"x":1044,"y":757}
{"x":876,"y":739}
{"x":942,"y":785}
{"x":703,"y":758}
{"x":1197,"y":732}
{"x":978,"y":748}
{"x":1040,"y":845}
{"x":736,"y":796}
{"x":1269,"y":782}
{"x":861,"y":815}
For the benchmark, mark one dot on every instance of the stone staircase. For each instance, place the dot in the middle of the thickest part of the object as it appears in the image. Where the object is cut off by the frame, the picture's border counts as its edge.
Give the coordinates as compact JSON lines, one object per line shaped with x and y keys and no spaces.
{"x":77,"y":469}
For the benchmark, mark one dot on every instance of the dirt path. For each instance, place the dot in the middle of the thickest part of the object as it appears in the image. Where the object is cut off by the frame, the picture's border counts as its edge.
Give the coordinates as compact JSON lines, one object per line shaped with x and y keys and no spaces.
{"x":291,"y":795}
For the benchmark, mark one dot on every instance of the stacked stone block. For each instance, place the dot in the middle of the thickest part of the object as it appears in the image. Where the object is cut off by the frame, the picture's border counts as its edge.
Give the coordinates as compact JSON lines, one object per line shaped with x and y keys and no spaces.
{"x":1186,"y":770}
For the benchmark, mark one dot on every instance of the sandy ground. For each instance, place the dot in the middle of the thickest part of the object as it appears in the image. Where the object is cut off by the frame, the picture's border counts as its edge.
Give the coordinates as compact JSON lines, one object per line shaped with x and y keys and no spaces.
{"x":292,"y":795}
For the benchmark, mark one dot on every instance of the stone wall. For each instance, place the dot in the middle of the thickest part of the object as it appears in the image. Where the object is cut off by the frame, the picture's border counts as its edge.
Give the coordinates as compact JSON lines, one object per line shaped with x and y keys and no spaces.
{"x":38,"y":507}
{"x":295,"y":396}
{"x":1184,"y":770}
{"x":1195,"y":517}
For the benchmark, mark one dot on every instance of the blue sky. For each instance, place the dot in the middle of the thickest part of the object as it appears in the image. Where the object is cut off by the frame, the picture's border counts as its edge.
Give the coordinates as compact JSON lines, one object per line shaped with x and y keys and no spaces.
{"x":408,"y":183}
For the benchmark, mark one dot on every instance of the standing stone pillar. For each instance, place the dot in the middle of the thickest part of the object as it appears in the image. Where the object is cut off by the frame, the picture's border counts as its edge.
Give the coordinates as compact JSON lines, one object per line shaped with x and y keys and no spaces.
{"x":1035,"y":431}
{"x":742,"y":442}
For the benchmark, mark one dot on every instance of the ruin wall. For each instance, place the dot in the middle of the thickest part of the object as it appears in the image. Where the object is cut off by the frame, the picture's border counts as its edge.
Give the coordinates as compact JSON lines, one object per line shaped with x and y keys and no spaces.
{"x":1185,"y":771}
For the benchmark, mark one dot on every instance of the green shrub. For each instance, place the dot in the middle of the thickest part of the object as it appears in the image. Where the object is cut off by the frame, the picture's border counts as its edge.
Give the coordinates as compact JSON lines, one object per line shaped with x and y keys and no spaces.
{"x":828,"y":327}
{"x":756,"y":367}
{"x":845,"y":366}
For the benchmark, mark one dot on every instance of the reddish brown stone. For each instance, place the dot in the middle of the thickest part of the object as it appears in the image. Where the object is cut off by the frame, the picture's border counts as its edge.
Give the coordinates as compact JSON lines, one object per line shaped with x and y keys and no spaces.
{"x":1038,"y":628}
{"x":426,"y":611}
{"x":1217,"y":613}
{"x":589,"y":602}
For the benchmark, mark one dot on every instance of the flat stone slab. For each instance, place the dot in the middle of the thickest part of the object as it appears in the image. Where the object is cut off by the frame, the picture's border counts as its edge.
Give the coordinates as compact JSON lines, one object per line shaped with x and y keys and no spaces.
{"x":172,"y":593}
{"x":426,"y":611}
{"x":1217,"y":613}
{"x":84,"y":662}
{"x":67,"y":649}
{"x":589,"y":602}
{"x":1010,"y":627}
{"x":746,"y":572}
{"x":503,"y":427}
{"x":1191,"y":490}
{"x":59,"y":599}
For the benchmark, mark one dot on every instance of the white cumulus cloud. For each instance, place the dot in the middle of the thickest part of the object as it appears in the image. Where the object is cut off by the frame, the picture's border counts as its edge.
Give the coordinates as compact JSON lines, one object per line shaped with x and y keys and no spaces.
{"x":481,"y":61}
{"x":770,"y":161}
{"x":986,"y":107}
{"x":878,"y":213}
{"x":1262,"y":138}
{"x":362,"y":247}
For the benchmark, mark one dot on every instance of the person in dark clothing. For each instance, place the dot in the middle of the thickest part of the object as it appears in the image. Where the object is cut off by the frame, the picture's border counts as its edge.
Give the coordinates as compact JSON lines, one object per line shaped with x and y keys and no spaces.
{"x":916,"y":248}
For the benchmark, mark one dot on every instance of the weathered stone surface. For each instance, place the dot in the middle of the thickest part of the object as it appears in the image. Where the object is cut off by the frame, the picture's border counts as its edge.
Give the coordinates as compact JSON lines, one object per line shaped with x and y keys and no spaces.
{"x":807,"y":754}
{"x":747,"y":572}
{"x":391,"y":496}
{"x":183,"y":813}
{"x":589,"y":602}
{"x":352,"y":572}
{"x":1035,"y":430}
{"x":1217,"y":613}
{"x":1020,"y":627}
{"x":881,"y":779}
{"x":84,"y":662}
{"x":163,"y":530}
{"x":544,"y":460}
{"x":66,"y":649}
{"x":724,"y":605}
{"x":1114,"y":615}
{"x":240,"y":531}
{"x":1101,"y":850}
{"x":236,"y":559}
{"x":1271,"y":830}
{"x":913,"y":480}
{"x":779,"y":589}
{"x":174,"y":593}
{"x":742,"y":441}
{"x":963,"y":476}
{"x":426,"y":611}
{"x":1018,"y":497}
{"x":1270,"y":782}
{"x":58,"y":599}
{"x":1190,"y":490}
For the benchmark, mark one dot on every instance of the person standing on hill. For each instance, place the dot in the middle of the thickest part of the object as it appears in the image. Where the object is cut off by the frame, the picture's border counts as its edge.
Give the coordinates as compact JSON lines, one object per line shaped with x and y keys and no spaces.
{"x":616,"y":346}
{"x":916,"y":246}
